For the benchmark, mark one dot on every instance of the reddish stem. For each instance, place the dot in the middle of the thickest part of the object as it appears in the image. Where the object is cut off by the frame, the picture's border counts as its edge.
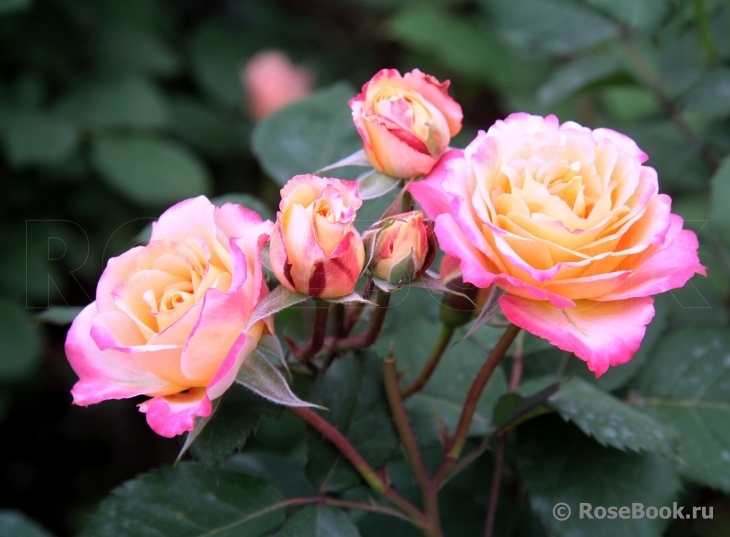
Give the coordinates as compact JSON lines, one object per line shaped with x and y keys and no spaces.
{"x":363,"y":468}
{"x":367,"y":338}
{"x":429,"y":492}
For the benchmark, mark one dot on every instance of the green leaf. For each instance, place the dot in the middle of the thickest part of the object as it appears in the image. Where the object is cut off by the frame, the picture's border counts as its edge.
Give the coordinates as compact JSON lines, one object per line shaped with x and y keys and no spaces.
{"x":456,"y":42}
{"x":33,"y":138}
{"x":318,"y":521}
{"x":60,"y":315}
{"x":20,"y":344}
{"x":639,"y":14}
{"x":259,"y":376}
{"x":463,"y":45}
{"x":235,"y":418}
{"x":127,"y":101}
{"x":248,"y":201}
{"x":353,"y":390}
{"x":307,"y":135}
{"x":358,"y":158}
{"x":711,"y":95}
{"x":189,"y":502}
{"x":686,"y":384}
{"x":278,"y":299}
{"x":677,"y":162}
{"x":720,"y":201}
{"x":16,"y":524}
{"x":205,"y":129}
{"x":10,"y":6}
{"x":349,"y":299}
{"x":270,"y":346}
{"x":285,"y":472}
{"x":375,"y":184}
{"x":137,"y":51}
{"x":216,"y":56}
{"x":575,"y":76}
{"x":608,"y":420}
{"x":560,"y":465}
{"x":513,"y":409}
{"x":553,"y":26}
{"x":149,"y":170}
{"x":432,"y":283}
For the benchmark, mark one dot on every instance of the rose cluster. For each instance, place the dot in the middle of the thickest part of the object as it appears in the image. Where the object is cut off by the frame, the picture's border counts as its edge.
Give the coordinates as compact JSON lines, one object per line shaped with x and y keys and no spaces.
{"x":567,"y":221}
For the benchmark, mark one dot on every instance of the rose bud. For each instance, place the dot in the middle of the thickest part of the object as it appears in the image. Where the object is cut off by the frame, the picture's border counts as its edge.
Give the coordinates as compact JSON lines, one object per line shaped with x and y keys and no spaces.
{"x":315,"y":248}
{"x":402,"y":246}
{"x":272,"y":82}
{"x":456,"y":310}
{"x":405,"y":122}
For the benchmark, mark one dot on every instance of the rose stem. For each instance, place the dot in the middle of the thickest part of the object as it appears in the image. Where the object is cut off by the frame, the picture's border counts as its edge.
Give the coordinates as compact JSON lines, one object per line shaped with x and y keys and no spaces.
{"x":338,"y":320}
{"x":432,"y":362}
{"x":472,"y":399}
{"x":334,"y":502}
{"x":318,"y":334}
{"x":429,"y":492}
{"x":367,"y":338}
{"x":354,"y":312}
{"x":363,"y":468}
{"x":502,"y":441}
{"x":338,"y":331}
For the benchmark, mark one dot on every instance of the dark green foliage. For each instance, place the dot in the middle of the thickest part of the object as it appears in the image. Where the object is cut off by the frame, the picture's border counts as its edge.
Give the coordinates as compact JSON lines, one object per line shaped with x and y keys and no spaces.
{"x":352,"y":391}
{"x":186,"y":502}
{"x":235,"y":419}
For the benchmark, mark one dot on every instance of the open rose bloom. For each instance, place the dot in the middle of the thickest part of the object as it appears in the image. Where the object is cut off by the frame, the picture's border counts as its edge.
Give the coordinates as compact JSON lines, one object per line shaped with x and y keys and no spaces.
{"x":569,"y":222}
{"x":315,"y":248}
{"x":169,"y":318}
{"x":405,"y":122}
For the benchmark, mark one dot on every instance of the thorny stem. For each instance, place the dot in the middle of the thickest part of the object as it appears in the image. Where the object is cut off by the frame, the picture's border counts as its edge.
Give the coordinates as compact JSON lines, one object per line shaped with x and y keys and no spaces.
{"x":334,"y":502}
{"x":318,"y":334}
{"x":370,"y":476}
{"x":429,"y":492}
{"x":456,"y":445}
{"x":514,"y":382}
{"x":432,"y":362}
{"x":367,"y":338}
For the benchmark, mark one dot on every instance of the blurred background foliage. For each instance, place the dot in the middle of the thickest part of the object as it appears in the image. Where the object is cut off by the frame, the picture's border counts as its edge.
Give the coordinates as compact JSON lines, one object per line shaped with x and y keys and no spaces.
{"x":110,"y":111}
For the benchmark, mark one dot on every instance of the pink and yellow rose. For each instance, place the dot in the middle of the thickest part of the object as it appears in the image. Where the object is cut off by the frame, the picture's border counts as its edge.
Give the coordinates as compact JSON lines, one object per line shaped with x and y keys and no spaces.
{"x":405,"y":122}
{"x":403,"y":247}
{"x":315,"y":248}
{"x":169,"y":320}
{"x":569,"y":222}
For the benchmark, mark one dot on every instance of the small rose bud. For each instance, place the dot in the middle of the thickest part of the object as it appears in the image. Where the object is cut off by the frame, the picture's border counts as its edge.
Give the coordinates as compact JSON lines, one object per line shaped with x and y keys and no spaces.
{"x":315,"y":248}
{"x":456,"y":310}
{"x":402,"y":247}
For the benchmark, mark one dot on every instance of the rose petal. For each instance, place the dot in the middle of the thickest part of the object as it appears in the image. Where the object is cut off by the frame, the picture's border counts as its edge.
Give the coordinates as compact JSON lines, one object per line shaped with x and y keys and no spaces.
{"x":107,"y":374}
{"x":601,"y":333}
{"x":174,"y":414}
